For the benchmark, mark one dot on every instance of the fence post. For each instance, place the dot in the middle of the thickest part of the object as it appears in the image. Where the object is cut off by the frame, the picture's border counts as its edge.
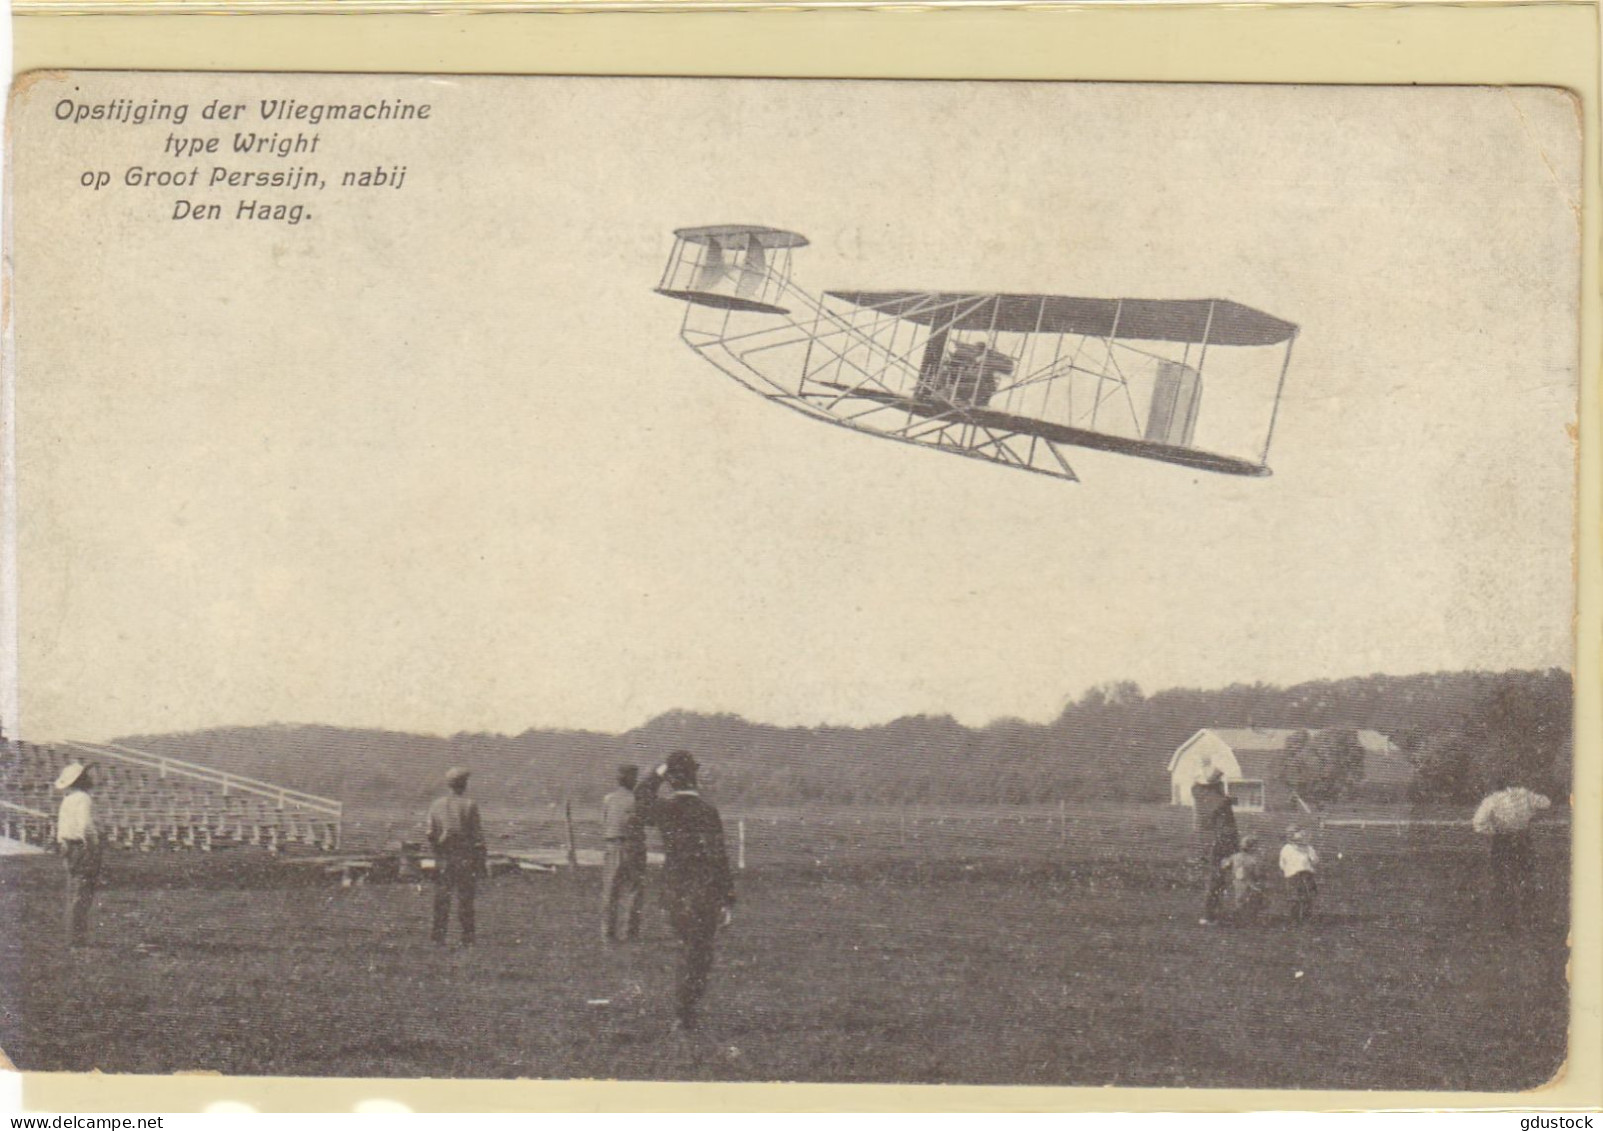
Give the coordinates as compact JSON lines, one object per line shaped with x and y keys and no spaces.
{"x":573,"y":851}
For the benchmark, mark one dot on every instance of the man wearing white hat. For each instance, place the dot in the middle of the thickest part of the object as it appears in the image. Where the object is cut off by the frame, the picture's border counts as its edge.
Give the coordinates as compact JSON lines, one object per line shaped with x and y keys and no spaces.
{"x":80,"y":847}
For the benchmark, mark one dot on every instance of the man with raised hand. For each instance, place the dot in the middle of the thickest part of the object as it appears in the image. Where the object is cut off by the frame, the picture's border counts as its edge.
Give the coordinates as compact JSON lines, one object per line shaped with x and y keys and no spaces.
{"x":1217,"y":839}
{"x":697,"y":885}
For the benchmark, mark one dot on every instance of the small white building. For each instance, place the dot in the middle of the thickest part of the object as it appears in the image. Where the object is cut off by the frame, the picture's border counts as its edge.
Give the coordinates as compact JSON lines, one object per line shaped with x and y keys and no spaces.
{"x":1251,"y":757}
{"x":1248,"y":756}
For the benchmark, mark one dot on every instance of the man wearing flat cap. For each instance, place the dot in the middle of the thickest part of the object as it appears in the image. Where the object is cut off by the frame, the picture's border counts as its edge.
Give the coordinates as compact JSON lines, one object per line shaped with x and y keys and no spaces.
{"x":457,"y":838}
{"x":80,"y":847}
{"x":698,"y":889}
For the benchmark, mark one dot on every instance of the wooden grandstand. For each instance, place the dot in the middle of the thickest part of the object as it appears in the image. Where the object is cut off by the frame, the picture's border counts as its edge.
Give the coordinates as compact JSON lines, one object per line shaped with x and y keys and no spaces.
{"x":147,"y":801}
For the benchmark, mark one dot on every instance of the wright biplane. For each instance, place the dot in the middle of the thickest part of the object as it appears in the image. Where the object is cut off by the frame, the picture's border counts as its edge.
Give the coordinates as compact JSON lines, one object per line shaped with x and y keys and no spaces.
{"x":1010,"y":378}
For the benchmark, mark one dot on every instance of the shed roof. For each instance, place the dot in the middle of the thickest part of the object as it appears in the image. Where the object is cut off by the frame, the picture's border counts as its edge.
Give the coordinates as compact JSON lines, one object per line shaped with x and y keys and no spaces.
{"x":1374,"y":742}
{"x":1258,"y":765}
{"x":1238,"y":739}
{"x":1253,"y":738}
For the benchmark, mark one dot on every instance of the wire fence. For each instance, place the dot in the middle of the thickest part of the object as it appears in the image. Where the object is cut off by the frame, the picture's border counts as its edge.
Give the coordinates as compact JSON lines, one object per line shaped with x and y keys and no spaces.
{"x":815,"y":836}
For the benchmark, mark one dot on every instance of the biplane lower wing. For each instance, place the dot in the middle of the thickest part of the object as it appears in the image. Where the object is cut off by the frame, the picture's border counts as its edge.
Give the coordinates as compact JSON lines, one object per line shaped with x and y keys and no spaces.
{"x":1059,"y":433}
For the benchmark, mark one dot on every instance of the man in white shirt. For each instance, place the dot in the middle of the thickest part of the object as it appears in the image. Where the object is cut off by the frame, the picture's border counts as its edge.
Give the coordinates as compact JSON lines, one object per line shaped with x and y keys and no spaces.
{"x":1505,"y":816}
{"x":456,"y":835}
{"x":80,"y":847}
{"x":1298,"y":859}
{"x":623,"y":870}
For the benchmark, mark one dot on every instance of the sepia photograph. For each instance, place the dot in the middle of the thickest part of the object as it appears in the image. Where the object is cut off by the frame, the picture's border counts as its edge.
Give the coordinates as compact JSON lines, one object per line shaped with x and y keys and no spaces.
{"x":497,"y":595}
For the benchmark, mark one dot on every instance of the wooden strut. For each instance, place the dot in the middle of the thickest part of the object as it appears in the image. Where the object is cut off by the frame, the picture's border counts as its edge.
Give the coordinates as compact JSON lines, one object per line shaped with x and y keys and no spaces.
{"x":1274,"y":412}
{"x":573,"y":851}
{"x":1113,"y":333}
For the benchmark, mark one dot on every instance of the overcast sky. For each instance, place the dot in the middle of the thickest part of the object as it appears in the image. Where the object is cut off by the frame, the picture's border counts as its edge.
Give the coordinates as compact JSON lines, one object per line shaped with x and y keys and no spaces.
{"x":436,"y":459}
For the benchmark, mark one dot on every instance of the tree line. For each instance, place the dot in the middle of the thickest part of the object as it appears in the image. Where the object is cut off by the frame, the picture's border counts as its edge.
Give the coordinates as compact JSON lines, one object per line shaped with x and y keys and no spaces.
{"x":1462,"y":731}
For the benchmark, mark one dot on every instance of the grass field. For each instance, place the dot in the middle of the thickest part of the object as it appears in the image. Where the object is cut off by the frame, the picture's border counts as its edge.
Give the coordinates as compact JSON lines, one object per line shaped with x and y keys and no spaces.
{"x":974,"y":947}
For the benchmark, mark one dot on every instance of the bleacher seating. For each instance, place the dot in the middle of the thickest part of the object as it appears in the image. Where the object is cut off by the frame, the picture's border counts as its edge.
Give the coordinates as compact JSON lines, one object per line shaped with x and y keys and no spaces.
{"x":146,"y":801}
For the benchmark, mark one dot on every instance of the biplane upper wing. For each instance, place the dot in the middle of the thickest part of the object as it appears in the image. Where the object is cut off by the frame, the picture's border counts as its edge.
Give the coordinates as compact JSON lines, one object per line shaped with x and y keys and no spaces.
{"x":1214,"y":321}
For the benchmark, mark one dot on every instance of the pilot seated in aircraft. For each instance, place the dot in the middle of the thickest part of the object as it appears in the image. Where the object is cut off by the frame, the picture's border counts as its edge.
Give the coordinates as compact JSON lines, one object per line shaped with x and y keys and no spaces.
{"x":969,"y":373}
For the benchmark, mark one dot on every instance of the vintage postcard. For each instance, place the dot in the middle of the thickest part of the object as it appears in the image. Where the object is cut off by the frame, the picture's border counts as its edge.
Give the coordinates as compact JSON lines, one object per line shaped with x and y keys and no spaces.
{"x":687,"y":579}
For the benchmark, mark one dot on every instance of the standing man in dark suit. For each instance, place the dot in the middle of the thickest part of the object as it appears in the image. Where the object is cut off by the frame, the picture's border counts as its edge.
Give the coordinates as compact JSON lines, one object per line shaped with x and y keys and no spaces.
{"x":457,"y":838}
{"x":697,"y":887}
{"x":1216,"y":833}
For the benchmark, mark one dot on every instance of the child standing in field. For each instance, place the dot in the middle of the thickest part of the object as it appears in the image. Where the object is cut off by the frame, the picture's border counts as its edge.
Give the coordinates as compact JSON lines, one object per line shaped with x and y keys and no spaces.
{"x":1297,"y":862}
{"x":1249,"y":873}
